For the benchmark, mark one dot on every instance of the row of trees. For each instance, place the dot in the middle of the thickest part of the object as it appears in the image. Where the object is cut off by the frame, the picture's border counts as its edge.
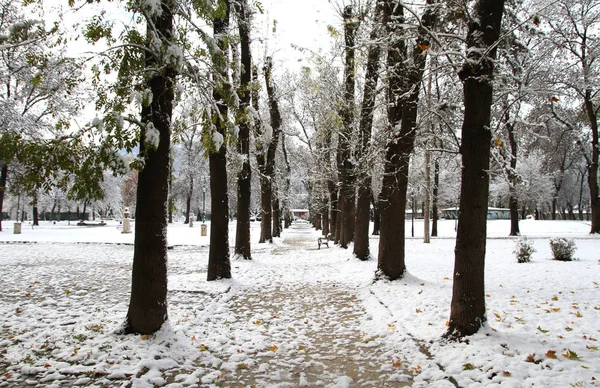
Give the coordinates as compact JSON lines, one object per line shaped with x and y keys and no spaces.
{"x":528,"y":113}
{"x":165,"y":83}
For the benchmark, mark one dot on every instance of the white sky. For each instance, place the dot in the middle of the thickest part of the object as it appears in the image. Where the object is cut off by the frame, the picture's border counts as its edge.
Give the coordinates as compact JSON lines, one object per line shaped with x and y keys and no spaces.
{"x":302,"y":23}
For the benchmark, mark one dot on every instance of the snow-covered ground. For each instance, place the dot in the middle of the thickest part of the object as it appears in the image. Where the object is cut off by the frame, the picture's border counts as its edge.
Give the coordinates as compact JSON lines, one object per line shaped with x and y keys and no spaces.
{"x":295,"y":315}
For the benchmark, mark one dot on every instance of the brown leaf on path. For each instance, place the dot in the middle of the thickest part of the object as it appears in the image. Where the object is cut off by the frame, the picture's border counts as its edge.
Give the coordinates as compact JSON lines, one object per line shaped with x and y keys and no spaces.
{"x":551,"y":353}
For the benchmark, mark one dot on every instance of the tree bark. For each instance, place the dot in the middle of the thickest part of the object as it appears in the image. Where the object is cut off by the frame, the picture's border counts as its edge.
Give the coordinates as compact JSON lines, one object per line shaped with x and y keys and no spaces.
{"x":266,"y":159}
{"x":513,"y":179}
{"x":376,"y":215}
{"x":219,"y":265}
{"x":427,"y":203}
{"x":403,"y":95}
{"x":3,"y":179}
{"x":288,"y":169}
{"x":363,"y":203}
{"x":188,"y":201}
{"x":276,"y":213}
{"x":148,"y":304}
{"x":467,"y":310}
{"x":344,"y":157}
{"x":434,"y":207}
{"x":593,"y":164}
{"x":333,"y":194}
{"x":242,"y":231}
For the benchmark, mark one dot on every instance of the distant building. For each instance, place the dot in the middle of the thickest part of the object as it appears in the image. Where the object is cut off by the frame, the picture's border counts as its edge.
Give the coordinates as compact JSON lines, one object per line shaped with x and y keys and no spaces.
{"x":494,"y":213}
{"x":300,"y":213}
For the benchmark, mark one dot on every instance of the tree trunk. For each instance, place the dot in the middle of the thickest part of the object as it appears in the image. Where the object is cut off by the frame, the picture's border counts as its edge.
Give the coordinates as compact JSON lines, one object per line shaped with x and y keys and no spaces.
{"x":427,"y":203}
{"x":363,"y":203}
{"x":376,"y":215}
{"x":345,"y":162}
{"x":338,"y":218}
{"x":3,"y":179}
{"x":266,"y":231}
{"x":434,"y":207}
{"x":219,"y":265}
{"x":580,"y":204}
{"x":467,"y":310}
{"x":188,"y":201}
{"x":148,"y":304}
{"x":276,"y":214}
{"x":333,"y":208}
{"x":513,"y":205}
{"x":268,"y":158}
{"x":513,"y":179}
{"x":318,"y":221}
{"x":288,"y":169}
{"x":403,"y":96}
{"x":242,"y":231}
{"x":325,"y":217}
{"x":35,"y":211}
{"x":171,"y":203}
{"x":593,"y":164}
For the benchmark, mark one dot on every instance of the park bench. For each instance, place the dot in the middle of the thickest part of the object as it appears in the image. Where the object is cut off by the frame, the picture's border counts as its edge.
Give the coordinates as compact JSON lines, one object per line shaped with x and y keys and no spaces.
{"x":323,"y":241}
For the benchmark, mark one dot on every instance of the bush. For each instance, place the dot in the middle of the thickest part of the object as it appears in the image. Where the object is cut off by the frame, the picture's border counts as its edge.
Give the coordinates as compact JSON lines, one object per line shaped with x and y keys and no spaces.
{"x":523,"y":250}
{"x":562,"y":248}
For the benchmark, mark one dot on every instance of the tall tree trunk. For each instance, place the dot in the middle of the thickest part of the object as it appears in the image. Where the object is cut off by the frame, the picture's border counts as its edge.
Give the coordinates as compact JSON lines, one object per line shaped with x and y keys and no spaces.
{"x":188,"y":201}
{"x":434,"y":207}
{"x":333,"y":208}
{"x":268,"y":173}
{"x":513,"y":178}
{"x":316,"y":221}
{"x":338,"y":219}
{"x":288,"y":169}
{"x":363,"y":203}
{"x":3,"y":179}
{"x":403,"y":95}
{"x":344,"y":157}
{"x":171,"y":203}
{"x":148,"y":304}
{"x":467,"y":310}
{"x":427,"y":203}
{"x":593,"y":163}
{"x":376,"y":215}
{"x":325,"y":216}
{"x":35,"y":211}
{"x":242,"y":231}
{"x":219,"y":265}
{"x":580,"y":204}
{"x":266,"y":229}
{"x":276,"y":214}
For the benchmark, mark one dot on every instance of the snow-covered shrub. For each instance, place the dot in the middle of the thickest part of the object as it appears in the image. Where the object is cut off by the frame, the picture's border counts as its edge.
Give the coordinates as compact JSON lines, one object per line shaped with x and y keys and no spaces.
{"x":562,"y":248}
{"x":523,"y":250}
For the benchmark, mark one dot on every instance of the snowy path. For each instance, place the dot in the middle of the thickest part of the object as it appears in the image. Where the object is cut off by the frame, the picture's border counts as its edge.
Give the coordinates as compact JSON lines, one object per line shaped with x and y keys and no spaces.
{"x":315,"y":329}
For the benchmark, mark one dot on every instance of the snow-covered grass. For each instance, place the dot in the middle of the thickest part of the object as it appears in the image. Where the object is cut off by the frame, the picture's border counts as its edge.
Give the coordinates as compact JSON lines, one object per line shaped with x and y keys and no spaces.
{"x":296,"y":315}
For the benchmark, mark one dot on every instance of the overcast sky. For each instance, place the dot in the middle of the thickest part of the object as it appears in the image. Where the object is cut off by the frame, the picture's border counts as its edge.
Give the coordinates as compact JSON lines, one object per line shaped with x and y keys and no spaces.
{"x":303,"y":23}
